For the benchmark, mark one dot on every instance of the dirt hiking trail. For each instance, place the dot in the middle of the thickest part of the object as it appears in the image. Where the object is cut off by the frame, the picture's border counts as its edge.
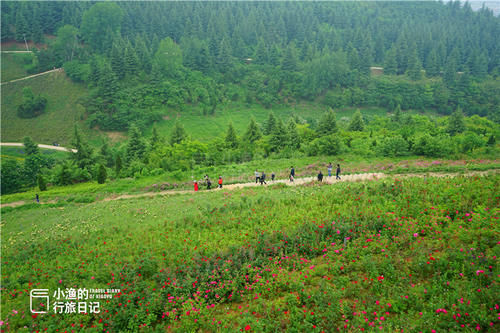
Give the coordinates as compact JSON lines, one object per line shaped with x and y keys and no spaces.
{"x":360,"y":177}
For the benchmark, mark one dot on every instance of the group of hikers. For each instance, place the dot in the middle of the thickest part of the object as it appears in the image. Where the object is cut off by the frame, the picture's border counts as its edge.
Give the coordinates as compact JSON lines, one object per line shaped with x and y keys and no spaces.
{"x":260,"y":177}
{"x":208,"y":183}
{"x":320,"y":174}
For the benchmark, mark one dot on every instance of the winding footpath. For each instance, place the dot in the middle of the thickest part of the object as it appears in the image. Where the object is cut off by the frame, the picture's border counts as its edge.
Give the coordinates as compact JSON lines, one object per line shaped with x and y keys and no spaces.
{"x":359,"y":177}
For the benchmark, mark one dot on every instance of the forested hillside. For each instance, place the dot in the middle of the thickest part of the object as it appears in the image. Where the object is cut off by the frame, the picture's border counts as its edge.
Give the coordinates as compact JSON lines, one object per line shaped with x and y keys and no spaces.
{"x":265,"y":79}
{"x":140,"y":58}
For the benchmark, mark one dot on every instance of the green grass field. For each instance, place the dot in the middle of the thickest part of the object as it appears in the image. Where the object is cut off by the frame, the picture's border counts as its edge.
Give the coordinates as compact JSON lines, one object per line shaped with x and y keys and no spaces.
{"x":386,"y":256}
{"x":14,"y":65}
{"x":62,"y":112}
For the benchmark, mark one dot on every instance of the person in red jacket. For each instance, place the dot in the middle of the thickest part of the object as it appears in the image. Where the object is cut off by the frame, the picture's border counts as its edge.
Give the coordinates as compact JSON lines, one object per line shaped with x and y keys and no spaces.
{"x":220,"y":181}
{"x":195,"y":186}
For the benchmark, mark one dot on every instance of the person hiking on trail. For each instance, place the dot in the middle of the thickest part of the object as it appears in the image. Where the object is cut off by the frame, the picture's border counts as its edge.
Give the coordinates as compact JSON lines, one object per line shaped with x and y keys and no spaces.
{"x":338,"y":171}
{"x":330,"y":167}
{"x":263,"y":178}
{"x":292,"y":174}
{"x":257,"y":177}
{"x":209,"y":183}
{"x":320,"y":176}
{"x":272,"y":176}
{"x":220,"y":181}
{"x":195,"y":186}
{"x":37,"y":198}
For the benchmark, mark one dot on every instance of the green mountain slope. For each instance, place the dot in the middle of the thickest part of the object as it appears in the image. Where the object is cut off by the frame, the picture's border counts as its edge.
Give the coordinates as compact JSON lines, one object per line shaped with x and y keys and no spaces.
{"x":62,"y":112}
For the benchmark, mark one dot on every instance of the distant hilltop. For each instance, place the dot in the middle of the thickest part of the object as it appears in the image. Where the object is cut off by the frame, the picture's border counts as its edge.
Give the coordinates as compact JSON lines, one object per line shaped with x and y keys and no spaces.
{"x":493,"y":5}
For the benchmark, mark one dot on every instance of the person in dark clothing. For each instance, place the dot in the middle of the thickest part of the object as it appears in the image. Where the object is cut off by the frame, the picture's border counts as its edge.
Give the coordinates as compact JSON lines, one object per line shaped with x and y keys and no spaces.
{"x":37,"y":198}
{"x":320,"y":176}
{"x":263,"y":178}
{"x":209,"y":183}
{"x":272,"y":176}
{"x":338,"y":171}
{"x":292,"y":174}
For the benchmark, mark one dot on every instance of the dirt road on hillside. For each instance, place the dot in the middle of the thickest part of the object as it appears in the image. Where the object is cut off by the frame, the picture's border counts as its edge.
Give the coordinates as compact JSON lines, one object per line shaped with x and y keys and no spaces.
{"x":31,"y":76}
{"x":18,"y":144}
{"x":360,"y":177}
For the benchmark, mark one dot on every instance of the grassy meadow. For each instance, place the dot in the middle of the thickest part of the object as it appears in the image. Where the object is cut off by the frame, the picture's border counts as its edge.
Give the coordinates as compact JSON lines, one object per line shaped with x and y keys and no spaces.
{"x":411,"y":254}
{"x":13,"y":65}
{"x":56,"y":124}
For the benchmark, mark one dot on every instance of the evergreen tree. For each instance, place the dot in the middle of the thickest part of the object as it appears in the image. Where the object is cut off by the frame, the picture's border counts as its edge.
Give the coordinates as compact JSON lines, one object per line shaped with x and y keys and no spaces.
{"x":456,"y":122}
{"x":279,"y":137}
{"x":327,"y":124}
{"x":274,"y":56}
{"x":223,"y":59}
{"x":178,"y":134}
{"x":108,"y":84}
{"x":353,"y":57}
{"x":135,"y":146}
{"x":118,"y":165}
{"x":42,"y":185}
{"x":432,"y":64}
{"x":36,"y":27}
{"x":117,"y":60}
{"x":253,"y":132}
{"x":397,"y":114}
{"x":131,"y":61}
{"x":450,"y":70}
{"x":478,"y":64}
{"x":106,"y":156}
{"x":30,"y":146}
{"x":357,"y":123}
{"x":414,"y":70}
{"x":155,"y":140}
{"x":83,"y":156}
{"x":231,"y":139}
{"x":22,"y":31}
{"x":289,"y":62}
{"x":261,"y":55}
{"x":391,"y":64}
{"x":294,"y":140}
{"x":270,"y":124}
{"x":143,"y":54}
{"x":101,"y":174}
{"x":491,"y":141}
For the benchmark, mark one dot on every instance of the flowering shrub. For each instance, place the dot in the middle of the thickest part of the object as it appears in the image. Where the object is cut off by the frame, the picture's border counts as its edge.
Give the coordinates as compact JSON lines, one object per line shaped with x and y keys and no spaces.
{"x":388,"y":255}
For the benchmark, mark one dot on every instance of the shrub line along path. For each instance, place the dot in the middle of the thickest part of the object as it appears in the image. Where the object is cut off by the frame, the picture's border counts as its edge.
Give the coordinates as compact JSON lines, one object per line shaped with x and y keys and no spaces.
{"x":359,"y":177}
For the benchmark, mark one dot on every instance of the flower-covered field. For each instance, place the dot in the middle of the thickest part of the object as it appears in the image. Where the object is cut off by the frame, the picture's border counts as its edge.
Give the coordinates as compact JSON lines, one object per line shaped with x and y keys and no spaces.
{"x":388,"y":255}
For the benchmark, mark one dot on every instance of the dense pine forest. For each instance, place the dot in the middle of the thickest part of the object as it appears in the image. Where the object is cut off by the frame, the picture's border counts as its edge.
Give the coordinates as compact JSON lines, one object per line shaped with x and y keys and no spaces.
{"x":139,"y":59}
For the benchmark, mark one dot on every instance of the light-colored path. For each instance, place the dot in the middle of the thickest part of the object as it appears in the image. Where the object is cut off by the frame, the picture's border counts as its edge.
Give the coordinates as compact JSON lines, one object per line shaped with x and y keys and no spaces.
{"x":34,"y":75}
{"x":298,"y":181}
{"x":18,"y":144}
{"x":17,"y":51}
